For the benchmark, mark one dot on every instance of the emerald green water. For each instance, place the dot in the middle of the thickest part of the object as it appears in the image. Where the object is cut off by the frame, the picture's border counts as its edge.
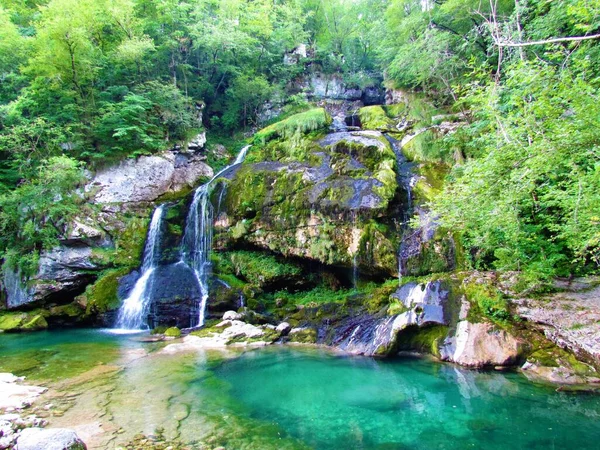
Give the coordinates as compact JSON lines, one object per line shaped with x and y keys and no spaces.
{"x":299,"y":398}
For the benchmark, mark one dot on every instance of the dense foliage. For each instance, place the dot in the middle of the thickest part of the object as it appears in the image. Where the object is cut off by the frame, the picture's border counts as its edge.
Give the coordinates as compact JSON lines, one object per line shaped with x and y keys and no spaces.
{"x":99,"y":80}
{"x":525,"y":188}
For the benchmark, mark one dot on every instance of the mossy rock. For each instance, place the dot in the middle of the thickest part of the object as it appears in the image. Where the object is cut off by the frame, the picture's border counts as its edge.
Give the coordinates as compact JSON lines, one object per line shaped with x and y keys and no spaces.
{"x":173,"y":332}
{"x":11,"y":321}
{"x":375,"y":118}
{"x":303,"y":122}
{"x":423,"y":340}
{"x":304,"y":336}
{"x":35,"y":323}
{"x":102,"y":296}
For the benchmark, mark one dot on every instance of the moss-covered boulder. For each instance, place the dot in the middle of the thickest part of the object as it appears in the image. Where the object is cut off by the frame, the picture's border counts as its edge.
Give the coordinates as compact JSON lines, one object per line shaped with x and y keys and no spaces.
{"x":172,"y":332}
{"x":306,"y":335}
{"x":316,"y":196}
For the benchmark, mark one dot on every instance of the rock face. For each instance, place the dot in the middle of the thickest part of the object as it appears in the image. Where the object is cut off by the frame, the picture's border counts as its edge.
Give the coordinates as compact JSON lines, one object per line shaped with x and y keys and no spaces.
{"x":323,"y":86}
{"x":424,"y":305}
{"x":570,"y":319}
{"x":480,"y":345}
{"x":62,"y":271}
{"x":49,"y":439}
{"x":324,"y":207}
{"x":123,"y":191}
{"x":147,"y":178}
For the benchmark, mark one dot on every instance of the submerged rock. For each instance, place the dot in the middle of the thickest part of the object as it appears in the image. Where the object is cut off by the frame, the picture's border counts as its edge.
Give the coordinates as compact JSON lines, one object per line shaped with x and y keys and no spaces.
{"x":49,"y":439}
{"x":16,"y":395}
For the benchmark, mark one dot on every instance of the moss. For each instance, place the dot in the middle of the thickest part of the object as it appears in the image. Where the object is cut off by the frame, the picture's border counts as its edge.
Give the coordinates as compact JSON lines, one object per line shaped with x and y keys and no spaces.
{"x":130,"y":243}
{"x":261,"y":268}
{"x":172,"y":332}
{"x":545,"y":353}
{"x":378,"y":296}
{"x":435,"y":256}
{"x":159,"y":329}
{"x":486,"y":301}
{"x":232,"y":281}
{"x":376,"y":249}
{"x":304,"y":122}
{"x":424,"y":340}
{"x":395,"y":111}
{"x":180,"y":194}
{"x":102,"y":295}
{"x":375,"y":118}
{"x":11,"y":321}
{"x":304,"y":336}
{"x":71,"y":310}
{"x":35,"y":323}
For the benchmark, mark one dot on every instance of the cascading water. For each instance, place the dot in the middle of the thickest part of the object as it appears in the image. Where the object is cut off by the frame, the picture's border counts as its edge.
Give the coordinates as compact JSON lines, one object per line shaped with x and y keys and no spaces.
{"x":407,"y":179}
{"x":197,"y":240}
{"x":132,"y":313}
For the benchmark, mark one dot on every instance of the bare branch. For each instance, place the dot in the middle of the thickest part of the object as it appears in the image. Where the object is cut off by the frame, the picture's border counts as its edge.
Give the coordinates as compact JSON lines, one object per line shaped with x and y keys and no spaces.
{"x":548,"y":41}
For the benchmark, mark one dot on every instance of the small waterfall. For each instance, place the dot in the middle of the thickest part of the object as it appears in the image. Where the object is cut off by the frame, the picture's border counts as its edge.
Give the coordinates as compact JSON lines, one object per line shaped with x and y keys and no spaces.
{"x":407,"y":179}
{"x":17,"y":293}
{"x":132,"y":313}
{"x":197,"y":239}
{"x":355,"y":271}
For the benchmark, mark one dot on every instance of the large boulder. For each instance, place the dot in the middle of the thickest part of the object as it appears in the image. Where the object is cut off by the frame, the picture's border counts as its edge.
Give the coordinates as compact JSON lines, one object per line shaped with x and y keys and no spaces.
{"x":147,"y":178}
{"x":480,"y":345}
{"x":49,"y":439}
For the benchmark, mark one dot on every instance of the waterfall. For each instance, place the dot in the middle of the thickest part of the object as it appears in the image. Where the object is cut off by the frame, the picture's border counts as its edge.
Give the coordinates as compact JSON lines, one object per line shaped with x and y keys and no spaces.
{"x":17,"y":293}
{"x":197,"y":239}
{"x":133,"y":311}
{"x":407,"y":179}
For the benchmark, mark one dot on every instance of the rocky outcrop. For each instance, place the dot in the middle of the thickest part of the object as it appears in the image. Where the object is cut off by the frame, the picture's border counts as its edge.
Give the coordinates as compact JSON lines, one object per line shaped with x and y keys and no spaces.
{"x":332,"y":86}
{"x":570,"y":319}
{"x":16,"y":395}
{"x":324,"y":210}
{"x":230,"y":332}
{"x":147,"y":178}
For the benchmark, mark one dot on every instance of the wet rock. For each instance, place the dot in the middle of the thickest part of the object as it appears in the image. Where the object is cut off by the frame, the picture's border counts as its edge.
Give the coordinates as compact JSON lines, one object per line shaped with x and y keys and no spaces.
{"x":226,"y":333}
{"x":480,"y":345}
{"x":64,"y":271}
{"x":318,"y":209}
{"x":425,"y":303}
{"x":283,"y":328}
{"x":175,"y":297}
{"x":197,"y":143}
{"x":49,"y":439}
{"x":558,"y":375}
